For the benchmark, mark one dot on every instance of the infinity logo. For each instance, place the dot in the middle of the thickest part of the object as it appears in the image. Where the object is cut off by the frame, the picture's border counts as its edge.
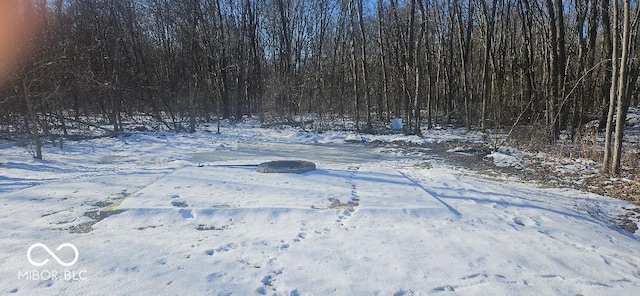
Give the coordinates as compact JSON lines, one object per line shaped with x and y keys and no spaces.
{"x":75,"y":250}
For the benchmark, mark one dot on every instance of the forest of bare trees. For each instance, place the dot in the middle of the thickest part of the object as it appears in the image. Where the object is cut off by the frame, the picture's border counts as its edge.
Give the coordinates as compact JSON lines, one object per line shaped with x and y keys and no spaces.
{"x":548,"y":65}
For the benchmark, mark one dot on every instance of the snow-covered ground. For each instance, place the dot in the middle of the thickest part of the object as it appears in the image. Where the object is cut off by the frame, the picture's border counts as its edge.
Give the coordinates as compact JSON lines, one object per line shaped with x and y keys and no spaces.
{"x":189,"y":215}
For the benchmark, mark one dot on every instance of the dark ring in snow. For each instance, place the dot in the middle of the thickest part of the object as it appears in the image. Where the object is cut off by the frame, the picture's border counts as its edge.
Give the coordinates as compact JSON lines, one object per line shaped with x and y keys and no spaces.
{"x":286,"y":166}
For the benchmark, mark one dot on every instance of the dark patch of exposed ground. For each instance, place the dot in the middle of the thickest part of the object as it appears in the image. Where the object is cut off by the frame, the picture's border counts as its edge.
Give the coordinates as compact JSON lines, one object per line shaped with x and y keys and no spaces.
{"x":96,"y":217}
{"x":350,"y":205}
{"x":535,"y":170}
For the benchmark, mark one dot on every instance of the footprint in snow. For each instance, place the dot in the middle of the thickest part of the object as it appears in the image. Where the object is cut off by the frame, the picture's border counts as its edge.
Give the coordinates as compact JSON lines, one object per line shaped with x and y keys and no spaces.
{"x":261,"y":291}
{"x":518,"y":221}
{"x":179,"y":204}
{"x":404,"y":293}
{"x":268,"y":281}
{"x":344,"y":215}
{"x":227,"y":248}
{"x":446,"y":288}
{"x":222,"y":249}
{"x":326,"y":230}
{"x":302,"y":235}
{"x":525,"y":221}
{"x":216,"y":276}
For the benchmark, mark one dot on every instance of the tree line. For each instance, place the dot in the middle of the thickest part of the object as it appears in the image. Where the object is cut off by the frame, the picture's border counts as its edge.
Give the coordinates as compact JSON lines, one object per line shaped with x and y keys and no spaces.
{"x":551,"y":64}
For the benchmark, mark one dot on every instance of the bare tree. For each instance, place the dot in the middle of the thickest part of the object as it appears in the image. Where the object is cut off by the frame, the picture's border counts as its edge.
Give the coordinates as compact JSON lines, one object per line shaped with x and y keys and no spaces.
{"x":627,"y":77}
{"x":489,"y":14}
{"x":615,"y":65}
{"x":465,"y":47}
{"x":363,"y":62}
{"x":383,"y":61}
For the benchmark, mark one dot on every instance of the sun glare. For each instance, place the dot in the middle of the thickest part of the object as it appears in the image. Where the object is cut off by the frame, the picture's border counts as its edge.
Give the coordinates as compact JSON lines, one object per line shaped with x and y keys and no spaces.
{"x":17,"y":25}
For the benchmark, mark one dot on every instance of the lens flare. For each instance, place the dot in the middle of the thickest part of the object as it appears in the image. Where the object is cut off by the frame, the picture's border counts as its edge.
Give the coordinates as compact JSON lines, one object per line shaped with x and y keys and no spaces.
{"x":17,"y":27}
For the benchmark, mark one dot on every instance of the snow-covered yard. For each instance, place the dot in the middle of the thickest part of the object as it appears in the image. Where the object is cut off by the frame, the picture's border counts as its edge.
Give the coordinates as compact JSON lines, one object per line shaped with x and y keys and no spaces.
{"x":189,"y":215}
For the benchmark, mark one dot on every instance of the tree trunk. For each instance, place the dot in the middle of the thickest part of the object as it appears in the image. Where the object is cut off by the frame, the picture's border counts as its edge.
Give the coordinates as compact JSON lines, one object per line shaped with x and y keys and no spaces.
{"x":557,"y":62}
{"x":464,"y":43}
{"x":581,"y":15}
{"x":33,"y":129}
{"x":528,"y":71}
{"x":563,"y":109}
{"x":383,"y":64}
{"x":592,"y":41}
{"x":192,"y":106}
{"x":354,"y":66}
{"x":606,"y":163}
{"x":624,"y":98}
{"x":363,"y":53}
{"x":486,"y":79}
{"x":222,"y":67}
{"x":605,"y":94}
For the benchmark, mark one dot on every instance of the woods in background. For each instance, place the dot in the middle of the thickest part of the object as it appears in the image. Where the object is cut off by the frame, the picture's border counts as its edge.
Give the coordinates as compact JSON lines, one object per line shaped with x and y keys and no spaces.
{"x":553,"y":65}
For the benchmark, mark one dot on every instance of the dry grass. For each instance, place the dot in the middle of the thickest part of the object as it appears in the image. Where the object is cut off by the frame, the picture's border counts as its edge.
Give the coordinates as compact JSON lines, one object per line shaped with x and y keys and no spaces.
{"x":584,"y":145}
